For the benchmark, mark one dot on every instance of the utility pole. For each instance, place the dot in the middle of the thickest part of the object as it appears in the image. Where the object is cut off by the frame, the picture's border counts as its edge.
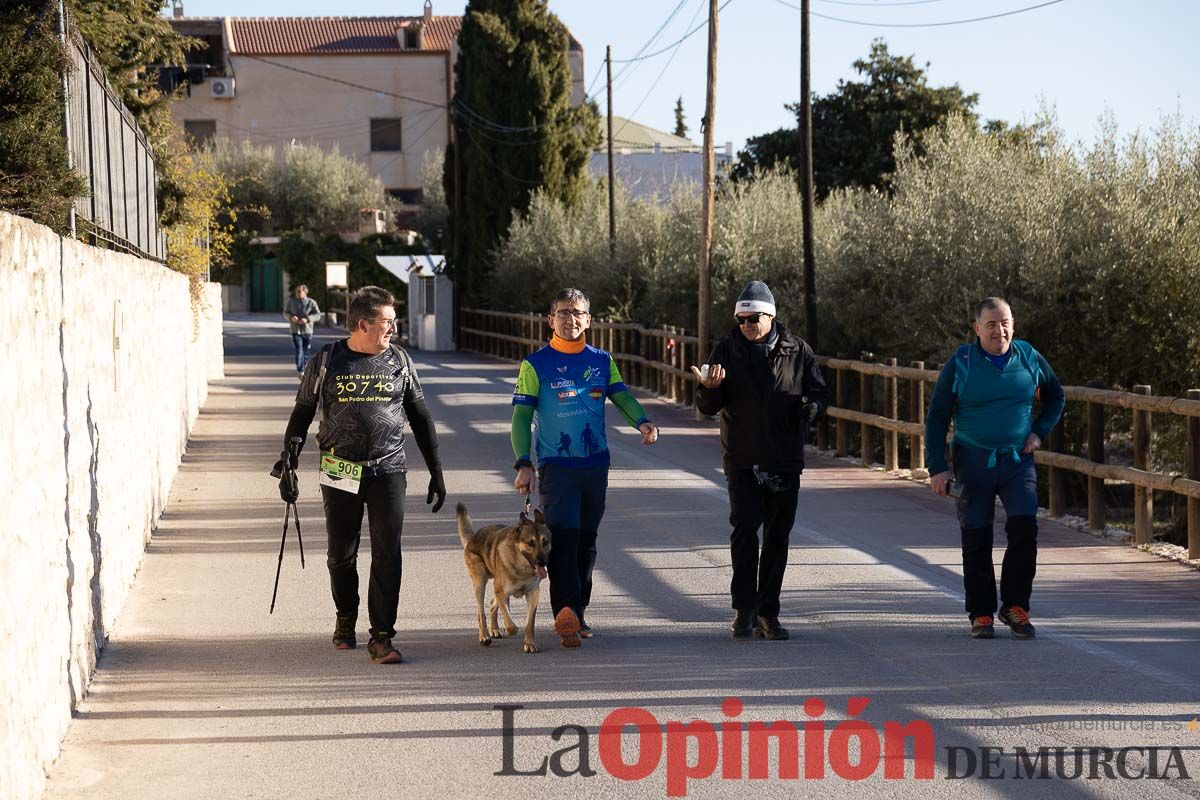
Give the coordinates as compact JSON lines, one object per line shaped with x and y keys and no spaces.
{"x":612,"y":214}
{"x":460,"y":270}
{"x":706,"y":214}
{"x":806,"y":179}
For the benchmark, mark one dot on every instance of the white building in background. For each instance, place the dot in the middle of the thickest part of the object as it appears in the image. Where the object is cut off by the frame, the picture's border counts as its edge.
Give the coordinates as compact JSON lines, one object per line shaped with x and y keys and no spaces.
{"x":648,"y":162}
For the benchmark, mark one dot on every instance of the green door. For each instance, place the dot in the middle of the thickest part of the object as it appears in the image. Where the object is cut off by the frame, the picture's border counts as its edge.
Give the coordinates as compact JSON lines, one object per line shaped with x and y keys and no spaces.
{"x":266,"y":286}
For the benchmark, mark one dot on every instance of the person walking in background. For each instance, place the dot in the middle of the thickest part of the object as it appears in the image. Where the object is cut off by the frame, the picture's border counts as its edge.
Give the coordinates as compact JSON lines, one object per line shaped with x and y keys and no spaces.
{"x":989,"y":388}
{"x":301,"y":311}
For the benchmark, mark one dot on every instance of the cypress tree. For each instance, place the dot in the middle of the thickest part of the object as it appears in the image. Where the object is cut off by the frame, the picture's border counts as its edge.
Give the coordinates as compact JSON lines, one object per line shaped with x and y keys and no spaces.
{"x":516,"y":130}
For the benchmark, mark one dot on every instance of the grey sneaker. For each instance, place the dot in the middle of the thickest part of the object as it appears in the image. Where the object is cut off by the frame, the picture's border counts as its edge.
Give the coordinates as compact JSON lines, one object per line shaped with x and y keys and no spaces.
{"x":1017,"y":619}
{"x":381,"y":651}
{"x":982,"y":627}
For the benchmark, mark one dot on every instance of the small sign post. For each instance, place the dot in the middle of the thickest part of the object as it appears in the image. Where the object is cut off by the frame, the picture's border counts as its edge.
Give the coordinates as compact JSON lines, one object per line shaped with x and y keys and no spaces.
{"x":337,"y":276}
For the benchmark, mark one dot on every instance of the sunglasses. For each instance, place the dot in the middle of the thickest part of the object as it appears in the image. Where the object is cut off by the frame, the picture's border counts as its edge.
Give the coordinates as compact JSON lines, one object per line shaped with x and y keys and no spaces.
{"x":751,"y":319}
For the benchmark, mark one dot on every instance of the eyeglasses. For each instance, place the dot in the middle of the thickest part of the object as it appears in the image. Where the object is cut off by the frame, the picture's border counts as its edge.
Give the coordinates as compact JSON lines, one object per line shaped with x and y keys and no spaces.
{"x":567,"y":313}
{"x":751,"y":319}
{"x":386,"y":322}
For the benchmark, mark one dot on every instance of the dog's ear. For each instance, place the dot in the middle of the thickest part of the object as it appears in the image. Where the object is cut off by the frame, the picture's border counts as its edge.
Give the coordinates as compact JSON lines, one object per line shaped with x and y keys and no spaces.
{"x":537,"y":516}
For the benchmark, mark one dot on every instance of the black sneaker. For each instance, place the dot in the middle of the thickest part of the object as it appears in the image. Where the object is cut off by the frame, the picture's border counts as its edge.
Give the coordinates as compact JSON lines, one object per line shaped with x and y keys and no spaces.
{"x":743,"y":625}
{"x":585,"y":630}
{"x":1017,"y":619}
{"x":343,"y":633}
{"x":770,"y":629}
{"x":981,"y":627}
{"x":381,"y":651}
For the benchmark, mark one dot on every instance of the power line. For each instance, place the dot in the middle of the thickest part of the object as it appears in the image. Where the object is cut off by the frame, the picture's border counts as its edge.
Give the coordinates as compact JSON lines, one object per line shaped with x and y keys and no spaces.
{"x":663,"y":71}
{"x":342,"y":82}
{"x":687,"y":35}
{"x":881,"y":5}
{"x":920,"y":24}
{"x":496,"y":166}
{"x":587,"y":94}
{"x":651,"y":40}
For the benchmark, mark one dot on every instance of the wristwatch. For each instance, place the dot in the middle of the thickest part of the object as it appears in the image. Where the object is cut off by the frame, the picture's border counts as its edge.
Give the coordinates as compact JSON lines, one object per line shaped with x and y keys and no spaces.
{"x":523,"y":462}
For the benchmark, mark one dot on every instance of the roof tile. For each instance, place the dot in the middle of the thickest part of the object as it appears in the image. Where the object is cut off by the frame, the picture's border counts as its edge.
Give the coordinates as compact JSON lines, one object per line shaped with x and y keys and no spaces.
{"x":280,"y":36}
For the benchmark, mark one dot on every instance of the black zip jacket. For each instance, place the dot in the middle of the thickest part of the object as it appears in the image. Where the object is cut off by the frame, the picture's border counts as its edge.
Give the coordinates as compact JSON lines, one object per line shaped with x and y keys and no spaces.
{"x":761,"y":419}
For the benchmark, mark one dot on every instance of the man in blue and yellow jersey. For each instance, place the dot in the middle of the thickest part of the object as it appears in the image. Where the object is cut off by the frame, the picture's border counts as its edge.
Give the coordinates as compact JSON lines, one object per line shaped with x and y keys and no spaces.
{"x":562,"y":387}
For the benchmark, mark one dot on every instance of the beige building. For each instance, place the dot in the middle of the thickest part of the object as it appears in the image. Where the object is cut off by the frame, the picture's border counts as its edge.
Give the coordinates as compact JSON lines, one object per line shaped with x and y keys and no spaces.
{"x":378,"y":88}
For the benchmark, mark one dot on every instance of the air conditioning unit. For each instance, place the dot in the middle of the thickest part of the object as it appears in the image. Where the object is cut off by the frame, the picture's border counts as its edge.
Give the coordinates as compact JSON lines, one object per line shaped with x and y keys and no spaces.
{"x":222,"y":88}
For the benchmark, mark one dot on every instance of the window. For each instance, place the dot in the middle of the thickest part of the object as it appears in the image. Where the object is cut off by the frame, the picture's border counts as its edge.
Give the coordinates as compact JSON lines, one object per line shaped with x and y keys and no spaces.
{"x":427,"y":291}
{"x":385,"y":134}
{"x":200,"y":131}
{"x":411,"y":39}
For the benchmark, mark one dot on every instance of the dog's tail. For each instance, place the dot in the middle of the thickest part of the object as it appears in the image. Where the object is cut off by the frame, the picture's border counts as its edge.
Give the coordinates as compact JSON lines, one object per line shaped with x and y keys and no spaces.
{"x":465,"y":529}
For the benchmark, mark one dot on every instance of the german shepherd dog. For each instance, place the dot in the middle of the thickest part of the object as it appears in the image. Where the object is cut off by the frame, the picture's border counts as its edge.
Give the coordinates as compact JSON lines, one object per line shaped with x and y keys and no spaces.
{"x":514,"y":558}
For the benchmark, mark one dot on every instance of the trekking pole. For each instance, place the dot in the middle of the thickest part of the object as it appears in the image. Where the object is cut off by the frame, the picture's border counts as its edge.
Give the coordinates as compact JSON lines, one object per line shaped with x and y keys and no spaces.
{"x":287,"y":510}
{"x":288,"y":476}
{"x":294,"y":445}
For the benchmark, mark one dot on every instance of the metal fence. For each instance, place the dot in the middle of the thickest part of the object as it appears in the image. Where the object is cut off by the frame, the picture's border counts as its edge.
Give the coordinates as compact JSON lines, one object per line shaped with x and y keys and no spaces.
{"x":113,"y":155}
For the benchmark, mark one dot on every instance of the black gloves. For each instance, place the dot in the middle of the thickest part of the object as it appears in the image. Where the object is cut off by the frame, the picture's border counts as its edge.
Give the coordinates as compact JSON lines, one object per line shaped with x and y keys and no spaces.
{"x":437,"y":488}
{"x":809,"y":410}
{"x":285,"y":470}
{"x":289,"y":482}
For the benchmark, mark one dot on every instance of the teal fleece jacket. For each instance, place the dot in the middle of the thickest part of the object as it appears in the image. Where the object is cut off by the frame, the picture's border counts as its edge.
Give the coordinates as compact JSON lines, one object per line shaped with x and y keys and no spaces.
{"x":992,"y":407}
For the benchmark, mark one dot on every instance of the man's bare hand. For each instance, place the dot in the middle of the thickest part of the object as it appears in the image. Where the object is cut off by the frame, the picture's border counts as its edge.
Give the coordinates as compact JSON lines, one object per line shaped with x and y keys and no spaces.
{"x":1032,"y":442}
{"x":716,"y":374}
{"x":649,"y":432}
{"x":940,"y":483}
{"x":524,"y":481}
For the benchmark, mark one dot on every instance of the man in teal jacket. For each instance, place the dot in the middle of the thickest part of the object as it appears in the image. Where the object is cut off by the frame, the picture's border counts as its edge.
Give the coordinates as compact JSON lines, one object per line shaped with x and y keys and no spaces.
{"x":989,"y":388}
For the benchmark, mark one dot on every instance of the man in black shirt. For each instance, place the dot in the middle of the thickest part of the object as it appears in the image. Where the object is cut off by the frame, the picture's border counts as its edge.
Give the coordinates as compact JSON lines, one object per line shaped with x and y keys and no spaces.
{"x":366,"y":388}
{"x":767,"y":386}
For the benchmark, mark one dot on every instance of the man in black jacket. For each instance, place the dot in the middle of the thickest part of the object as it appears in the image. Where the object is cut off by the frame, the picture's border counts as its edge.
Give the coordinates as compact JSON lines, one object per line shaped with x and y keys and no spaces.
{"x":767,"y":386}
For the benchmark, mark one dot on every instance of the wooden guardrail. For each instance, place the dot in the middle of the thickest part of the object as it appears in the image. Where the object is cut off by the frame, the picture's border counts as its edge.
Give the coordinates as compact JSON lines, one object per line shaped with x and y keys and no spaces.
{"x":658,"y":360}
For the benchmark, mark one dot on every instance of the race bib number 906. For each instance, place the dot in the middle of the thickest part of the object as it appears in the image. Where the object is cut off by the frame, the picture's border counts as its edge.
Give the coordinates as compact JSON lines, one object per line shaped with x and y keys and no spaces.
{"x":339,"y":473}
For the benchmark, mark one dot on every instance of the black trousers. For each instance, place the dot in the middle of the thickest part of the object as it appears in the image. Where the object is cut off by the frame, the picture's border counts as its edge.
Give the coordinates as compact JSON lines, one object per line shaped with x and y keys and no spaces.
{"x":383,"y":497}
{"x":1016,"y":572}
{"x":758,"y":578}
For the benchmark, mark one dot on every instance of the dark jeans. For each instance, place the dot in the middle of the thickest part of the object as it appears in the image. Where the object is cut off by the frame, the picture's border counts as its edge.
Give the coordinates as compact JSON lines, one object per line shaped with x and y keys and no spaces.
{"x":758,"y":578}
{"x":1015,"y":483}
{"x":573,"y":504}
{"x":383,"y":496}
{"x":302,"y":344}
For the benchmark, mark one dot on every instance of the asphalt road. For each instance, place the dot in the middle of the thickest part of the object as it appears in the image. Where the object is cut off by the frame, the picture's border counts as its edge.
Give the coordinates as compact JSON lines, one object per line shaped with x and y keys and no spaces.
{"x":202,"y":694}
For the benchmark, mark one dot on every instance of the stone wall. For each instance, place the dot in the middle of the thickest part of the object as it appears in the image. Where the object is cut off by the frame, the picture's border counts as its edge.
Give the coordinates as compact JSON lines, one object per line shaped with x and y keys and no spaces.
{"x":106,"y":361}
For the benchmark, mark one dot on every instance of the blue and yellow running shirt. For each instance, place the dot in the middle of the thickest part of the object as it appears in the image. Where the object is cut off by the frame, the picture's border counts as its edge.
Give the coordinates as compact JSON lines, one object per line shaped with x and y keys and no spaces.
{"x":566,"y":391}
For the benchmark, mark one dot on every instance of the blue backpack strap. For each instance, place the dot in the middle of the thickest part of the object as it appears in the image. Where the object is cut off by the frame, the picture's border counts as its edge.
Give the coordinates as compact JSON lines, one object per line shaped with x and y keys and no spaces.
{"x":962,"y":366}
{"x":1029,"y":359}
